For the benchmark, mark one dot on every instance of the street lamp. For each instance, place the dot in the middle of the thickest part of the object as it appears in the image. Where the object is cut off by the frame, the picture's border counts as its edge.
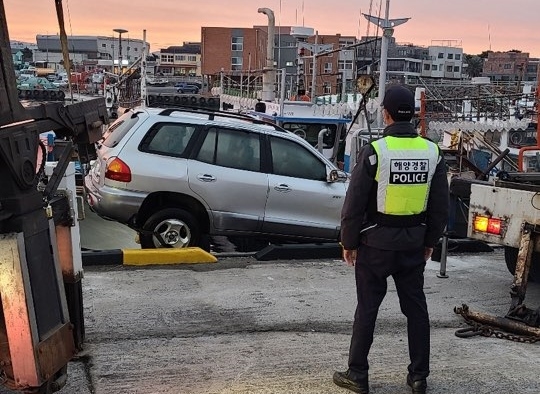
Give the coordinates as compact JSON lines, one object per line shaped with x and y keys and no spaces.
{"x":120,"y":31}
{"x":387,"y":25}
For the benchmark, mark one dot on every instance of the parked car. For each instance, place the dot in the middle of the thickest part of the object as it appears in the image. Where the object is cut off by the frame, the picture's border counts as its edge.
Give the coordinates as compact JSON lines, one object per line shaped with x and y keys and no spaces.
{"x":183,"y":87}
{"x":176,"y":175}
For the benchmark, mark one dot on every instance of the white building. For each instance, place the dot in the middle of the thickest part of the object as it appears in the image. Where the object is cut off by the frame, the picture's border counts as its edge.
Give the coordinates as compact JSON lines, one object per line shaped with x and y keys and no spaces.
{"x":444,"y":61}
{"x":89,"y":51}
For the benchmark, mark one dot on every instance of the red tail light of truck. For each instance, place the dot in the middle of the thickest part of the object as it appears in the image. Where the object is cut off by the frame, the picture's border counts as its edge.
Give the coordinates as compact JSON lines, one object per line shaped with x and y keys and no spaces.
{"x":487,"y":224}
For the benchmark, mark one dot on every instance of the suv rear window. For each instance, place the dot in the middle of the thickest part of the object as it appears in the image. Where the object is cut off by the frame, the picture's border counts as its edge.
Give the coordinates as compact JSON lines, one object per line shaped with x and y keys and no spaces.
{"x":119,"y":128}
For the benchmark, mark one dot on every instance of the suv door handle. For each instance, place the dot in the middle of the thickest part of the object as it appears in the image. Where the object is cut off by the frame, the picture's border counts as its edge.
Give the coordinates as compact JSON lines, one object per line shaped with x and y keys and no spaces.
{"x":283,"y":188}
{"x":206,"y":178}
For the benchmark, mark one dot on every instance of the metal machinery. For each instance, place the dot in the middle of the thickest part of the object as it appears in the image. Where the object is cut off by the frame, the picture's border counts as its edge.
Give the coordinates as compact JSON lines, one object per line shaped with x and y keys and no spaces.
{"x":41,"y":325}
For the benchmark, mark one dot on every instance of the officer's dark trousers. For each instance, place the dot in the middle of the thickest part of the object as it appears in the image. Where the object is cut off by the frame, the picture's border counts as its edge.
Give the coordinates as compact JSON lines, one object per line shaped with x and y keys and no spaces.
{"x":373,"y":267}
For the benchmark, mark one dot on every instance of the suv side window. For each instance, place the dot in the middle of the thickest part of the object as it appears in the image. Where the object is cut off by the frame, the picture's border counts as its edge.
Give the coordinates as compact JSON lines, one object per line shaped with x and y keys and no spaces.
{"x":231,"y":148}
{"x":292,"y":159}
{"x":168,"y":138}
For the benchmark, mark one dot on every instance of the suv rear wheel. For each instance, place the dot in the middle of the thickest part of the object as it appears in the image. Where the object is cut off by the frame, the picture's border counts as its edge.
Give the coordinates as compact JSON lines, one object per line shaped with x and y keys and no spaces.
{"x":177,"y":228}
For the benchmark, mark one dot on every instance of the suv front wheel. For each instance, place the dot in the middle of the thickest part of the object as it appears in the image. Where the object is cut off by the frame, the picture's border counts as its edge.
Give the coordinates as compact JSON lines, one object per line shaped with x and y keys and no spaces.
{"x":177,"y":229}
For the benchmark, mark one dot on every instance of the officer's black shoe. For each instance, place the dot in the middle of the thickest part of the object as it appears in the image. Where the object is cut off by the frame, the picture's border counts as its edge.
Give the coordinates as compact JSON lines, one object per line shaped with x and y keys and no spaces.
{"x":345,"y":380}
{"x":417,"y":386}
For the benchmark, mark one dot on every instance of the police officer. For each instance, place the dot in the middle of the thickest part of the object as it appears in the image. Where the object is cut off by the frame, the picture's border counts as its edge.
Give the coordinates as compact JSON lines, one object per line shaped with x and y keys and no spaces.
{"x":395,"y":211}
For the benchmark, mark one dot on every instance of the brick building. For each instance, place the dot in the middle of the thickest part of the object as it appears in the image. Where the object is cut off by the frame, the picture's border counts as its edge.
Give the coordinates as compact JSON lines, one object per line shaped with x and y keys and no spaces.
{"x":506,"y":66}
{"x":232,"y":51}
{"x":327,"y":74}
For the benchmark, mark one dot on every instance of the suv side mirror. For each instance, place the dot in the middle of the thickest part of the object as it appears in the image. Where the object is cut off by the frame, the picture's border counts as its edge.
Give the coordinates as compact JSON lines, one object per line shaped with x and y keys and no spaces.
{"x":337,"y":176}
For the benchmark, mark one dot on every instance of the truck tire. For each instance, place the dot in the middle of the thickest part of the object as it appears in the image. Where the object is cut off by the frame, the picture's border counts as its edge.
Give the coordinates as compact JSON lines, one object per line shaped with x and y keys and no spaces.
{"x":178,"y":228}
{"x":510,"y":257}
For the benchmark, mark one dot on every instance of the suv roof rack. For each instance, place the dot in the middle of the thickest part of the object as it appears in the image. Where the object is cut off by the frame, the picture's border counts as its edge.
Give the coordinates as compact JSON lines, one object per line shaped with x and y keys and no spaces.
{"x":212,"y":114}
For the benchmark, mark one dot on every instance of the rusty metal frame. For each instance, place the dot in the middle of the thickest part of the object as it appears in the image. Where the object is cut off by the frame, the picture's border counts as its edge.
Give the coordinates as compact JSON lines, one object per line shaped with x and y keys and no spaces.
{"x":36,"y":360}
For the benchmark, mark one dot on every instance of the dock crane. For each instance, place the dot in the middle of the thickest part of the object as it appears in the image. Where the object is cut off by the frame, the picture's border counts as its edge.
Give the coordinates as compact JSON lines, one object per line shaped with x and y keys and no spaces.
{"x":41,"y":325}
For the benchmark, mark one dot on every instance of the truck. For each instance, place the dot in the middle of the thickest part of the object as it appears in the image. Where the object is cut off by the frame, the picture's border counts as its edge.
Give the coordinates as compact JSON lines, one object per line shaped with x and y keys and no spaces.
{"x":37,"y":72}
{"x":506,"y":211}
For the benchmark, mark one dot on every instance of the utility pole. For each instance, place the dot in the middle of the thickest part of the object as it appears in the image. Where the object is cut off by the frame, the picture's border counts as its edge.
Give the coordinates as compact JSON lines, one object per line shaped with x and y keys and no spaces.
{"x":120,"y":32}
{"x":387,"y":25}
{"x":143,"y":71}
{"x":314,"y":72}
{"x":317,"y":50}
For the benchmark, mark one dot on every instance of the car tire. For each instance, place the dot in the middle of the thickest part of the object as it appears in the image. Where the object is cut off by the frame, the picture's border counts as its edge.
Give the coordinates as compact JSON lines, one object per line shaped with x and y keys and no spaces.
{"x":510,"y":257}
{"x":179,"y":229}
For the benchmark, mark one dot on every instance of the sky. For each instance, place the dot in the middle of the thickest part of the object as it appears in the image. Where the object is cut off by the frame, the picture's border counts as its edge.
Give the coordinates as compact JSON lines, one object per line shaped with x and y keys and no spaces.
{"x":475,"y":25}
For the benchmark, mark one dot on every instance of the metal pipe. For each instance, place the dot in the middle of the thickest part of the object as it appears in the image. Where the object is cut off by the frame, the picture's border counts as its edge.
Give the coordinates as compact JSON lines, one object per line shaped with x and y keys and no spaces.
{"x":268,"y":93}
{"x":496,"y":321}
{"x":494,"y":163}
{"x":444,"y":254}
{"x":320,"y":137}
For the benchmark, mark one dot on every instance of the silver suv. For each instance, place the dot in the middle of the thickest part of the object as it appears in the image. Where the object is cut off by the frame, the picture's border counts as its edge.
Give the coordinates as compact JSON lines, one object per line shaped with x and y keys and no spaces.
{"x":177,"y":176}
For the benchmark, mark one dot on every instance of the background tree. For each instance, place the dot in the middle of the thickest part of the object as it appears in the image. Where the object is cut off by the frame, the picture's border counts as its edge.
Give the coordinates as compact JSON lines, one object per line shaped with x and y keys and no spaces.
{"x":28,"y":55}
{"x":475,"y":65}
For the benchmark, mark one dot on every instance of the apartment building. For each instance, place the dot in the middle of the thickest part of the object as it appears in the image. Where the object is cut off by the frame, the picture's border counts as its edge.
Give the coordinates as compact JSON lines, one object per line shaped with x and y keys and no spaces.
{"x":508,"y":66}
{"x":180,"y":61}
{"x":445,"y":61}
{"x":407,"y":63}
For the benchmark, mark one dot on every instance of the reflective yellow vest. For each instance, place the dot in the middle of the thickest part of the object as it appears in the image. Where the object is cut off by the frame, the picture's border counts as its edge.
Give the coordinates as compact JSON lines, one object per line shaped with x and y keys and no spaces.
{"x":405,"y":167}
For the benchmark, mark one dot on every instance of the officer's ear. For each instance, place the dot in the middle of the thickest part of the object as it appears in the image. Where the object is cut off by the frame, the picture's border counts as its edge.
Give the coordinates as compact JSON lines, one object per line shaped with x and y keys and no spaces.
{"x":387,"y":119}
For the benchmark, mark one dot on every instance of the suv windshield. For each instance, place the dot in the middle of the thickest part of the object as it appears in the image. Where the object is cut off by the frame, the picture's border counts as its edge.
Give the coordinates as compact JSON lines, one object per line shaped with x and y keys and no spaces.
{"x":119,"y":128}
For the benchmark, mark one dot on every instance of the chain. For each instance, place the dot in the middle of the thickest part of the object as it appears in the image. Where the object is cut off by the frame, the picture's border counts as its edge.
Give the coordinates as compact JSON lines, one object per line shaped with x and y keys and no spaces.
{"x":489,"y":331}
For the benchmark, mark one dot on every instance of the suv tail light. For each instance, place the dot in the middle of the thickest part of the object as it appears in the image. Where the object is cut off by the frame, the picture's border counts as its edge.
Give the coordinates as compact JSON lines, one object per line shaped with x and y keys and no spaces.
{"x":486,"y":224}
{"x":117,"y":170}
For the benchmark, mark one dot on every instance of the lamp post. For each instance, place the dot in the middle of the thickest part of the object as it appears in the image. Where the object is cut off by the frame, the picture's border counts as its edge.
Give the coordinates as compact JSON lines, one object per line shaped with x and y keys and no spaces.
{"x":120,"y":31}
{"x":387,"y":25}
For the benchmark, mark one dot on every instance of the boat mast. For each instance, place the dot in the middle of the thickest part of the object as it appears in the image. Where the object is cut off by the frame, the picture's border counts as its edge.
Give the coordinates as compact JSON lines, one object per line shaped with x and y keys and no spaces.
{"x":64,"y":44}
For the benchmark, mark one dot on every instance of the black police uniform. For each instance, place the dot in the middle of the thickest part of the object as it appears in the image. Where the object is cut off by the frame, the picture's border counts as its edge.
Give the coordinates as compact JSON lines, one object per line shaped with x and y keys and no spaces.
{"x":384,"y":251}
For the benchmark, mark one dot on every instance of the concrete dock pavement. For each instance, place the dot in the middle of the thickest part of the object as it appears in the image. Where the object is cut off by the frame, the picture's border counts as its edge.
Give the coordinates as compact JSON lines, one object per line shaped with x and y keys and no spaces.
{"x":279,"y":327}
{"x":101,"y":234}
